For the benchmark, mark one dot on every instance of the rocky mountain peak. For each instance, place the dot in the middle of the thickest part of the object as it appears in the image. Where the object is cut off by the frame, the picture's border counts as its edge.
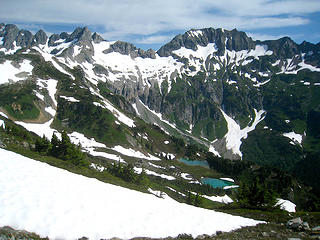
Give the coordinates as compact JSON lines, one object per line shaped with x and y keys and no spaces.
{"x":2,"y":26}
{"x":126,"y":48}
{"x":41,"y":37}
{"x":10,"y":34}
{"x":52,"y":40}
{"x":24,"y":38}
{"x":284,"y":47}
{"x":81,"y":34}
{"x":97,"y":38}
{"x":231,"y":40}
{"x":238,"y":41}
{"x":14,"y":37}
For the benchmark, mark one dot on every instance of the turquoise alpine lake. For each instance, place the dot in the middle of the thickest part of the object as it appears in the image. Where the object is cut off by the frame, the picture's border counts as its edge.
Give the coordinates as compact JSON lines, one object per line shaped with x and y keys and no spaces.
{"x":194,"y":162}
{"x":216,"y":183}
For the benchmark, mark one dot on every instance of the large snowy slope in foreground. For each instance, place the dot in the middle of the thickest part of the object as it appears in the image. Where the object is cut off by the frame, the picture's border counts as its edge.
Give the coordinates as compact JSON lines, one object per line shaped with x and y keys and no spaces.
{"x":56,"y":203}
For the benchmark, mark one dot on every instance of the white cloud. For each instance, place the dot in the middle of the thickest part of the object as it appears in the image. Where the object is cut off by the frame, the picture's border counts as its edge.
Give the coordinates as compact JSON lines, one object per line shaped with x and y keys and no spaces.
{"x":154,"y":39}
{"x":149,"y":19}
{"x":262,"y":37}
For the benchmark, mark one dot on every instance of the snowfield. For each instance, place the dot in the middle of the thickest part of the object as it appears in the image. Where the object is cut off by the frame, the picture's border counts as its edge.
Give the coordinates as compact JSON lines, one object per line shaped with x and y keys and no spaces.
{"x":10,"y":72}
{"x":133,"y":153}
{"x":294,"y":136}
{"x":61,"y":205}
{"x":222,"y":199}
{"x":235,"y":133}
{"x":286,"y":205}
{"x":40,"y":129}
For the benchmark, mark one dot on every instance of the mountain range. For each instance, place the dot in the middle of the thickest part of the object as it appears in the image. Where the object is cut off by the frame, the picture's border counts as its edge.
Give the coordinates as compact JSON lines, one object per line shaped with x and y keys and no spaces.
{"x":258,"y":101}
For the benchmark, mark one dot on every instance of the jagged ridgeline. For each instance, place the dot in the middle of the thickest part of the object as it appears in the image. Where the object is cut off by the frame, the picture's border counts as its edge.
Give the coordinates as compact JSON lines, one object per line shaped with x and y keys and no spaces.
{"x":239,"y":98}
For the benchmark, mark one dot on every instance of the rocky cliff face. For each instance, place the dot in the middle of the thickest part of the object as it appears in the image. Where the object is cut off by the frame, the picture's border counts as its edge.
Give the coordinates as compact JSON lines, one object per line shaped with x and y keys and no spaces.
{"x":230,"y":40}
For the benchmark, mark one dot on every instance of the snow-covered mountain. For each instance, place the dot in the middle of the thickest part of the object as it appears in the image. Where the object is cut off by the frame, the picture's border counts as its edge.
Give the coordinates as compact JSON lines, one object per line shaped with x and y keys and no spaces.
{"x":210,"y":86}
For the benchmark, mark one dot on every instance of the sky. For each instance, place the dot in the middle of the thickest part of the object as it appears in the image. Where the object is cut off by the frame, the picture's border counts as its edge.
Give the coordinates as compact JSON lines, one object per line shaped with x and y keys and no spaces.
{"x":152,"y":23}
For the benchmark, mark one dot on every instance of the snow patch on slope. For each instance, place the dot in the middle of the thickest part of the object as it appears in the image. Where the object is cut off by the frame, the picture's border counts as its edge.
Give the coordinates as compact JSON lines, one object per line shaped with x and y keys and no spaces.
{"x":121,"y":117}
{"x":51,"y":86}
{"x":90,"y":145}
{"x":4,"y":115}
{"x":133,"y":69}
{"x":133,"y":153}
{"x":2,"y":124}
{"x":45,"y":51}
{"x":294,"y":136}
{"x":70,"y":99}
{"x":9,"y":72}
{"x":200,"y":53}
{"x":37,"y":197}
{"x":213,"y":150}
{"x":78,"y":138}
{"x":286,"y":205}
{"x":40,"y":129}
{"x":235,"y":134}
{"x":237,"y":57}
{"x":51,"y":111}
{"x":11,"y":51}
{"x":149,"y":172}
{"x":222,"y":199}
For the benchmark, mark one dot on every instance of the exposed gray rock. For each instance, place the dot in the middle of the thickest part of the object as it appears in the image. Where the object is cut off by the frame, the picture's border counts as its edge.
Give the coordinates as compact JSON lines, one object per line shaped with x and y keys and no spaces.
{"x":81,"y":37}
{"x":2,"y":145}
{"x":24,"y":39}
{"x":76,"y":34}
{"x":8,"y":233}
{"x":298,"y":225}
{"x":96,"y":38}
{"x":295,"y":223}
{"x":203,"y":236}
{"x":64,"y":35}
{"x":283,"y":48}
{"x":305,"y":226}
{"x":10,"y":34}
{"x":80,"y":34}
{"x":126,"y":48}
{"x":83,"y":238}
{"x":2,"y":26}
{"x":40,"y":37}
{"x":150,"y":53}
{"x":21,"y":38}
{"x":52,"y":40}
{"x":192,"y":39}
{"x":100,"y":70}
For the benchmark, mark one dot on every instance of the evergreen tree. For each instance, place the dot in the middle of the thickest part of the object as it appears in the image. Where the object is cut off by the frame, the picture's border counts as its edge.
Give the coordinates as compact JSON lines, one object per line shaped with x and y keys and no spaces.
{"x":190,"y":198}
{"x":198,"y":200}
{"x":128,"y":173}
{"x":42,"y":145}
{"x":254,"y":193}
{"x":55,"y":146}
{"x":65,"y":146}
{"x":67,"y":151}
{"x":143,"y":178}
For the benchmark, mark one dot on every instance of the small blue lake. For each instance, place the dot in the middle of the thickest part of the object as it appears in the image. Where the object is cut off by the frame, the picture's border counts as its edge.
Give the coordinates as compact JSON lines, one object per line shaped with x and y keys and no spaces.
{"x":194,"y":162}
{"x":216,"y":183}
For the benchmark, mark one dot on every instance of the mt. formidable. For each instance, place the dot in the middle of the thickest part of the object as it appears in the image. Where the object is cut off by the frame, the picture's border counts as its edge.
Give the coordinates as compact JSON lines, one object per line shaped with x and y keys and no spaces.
{"x":220,"y":90}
